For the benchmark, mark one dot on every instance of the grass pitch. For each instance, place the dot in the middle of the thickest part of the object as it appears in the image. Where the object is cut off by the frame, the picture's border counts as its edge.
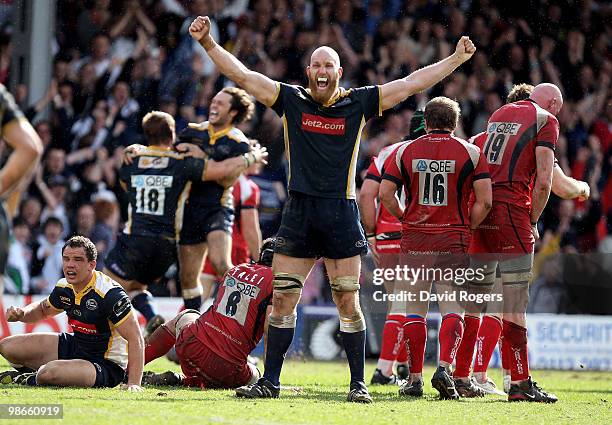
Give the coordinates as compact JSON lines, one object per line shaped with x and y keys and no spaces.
{"x":584,"y":397}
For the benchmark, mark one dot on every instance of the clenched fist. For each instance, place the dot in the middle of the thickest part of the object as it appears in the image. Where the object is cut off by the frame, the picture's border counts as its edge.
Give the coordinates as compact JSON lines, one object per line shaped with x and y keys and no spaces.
{"x":14,"y":314}
{"x":465,"y":48}
{"x":200,"y":28}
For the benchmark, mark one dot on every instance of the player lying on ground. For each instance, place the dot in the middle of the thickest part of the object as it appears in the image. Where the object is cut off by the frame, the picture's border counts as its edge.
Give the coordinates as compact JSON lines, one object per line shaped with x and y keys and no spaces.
{"x":157,"y":179}
{"x":439,"y":172}
{"x":106,"y":333}
{"x":323,"y":126}
{"x":213,"y":347}
{"x":519,"y":147}
{"x":384,"y":233}
{"x":484,"y":336}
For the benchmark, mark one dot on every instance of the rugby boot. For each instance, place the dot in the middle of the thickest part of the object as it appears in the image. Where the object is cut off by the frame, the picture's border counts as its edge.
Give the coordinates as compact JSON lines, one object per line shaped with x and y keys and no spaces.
{"x":443,"y":382}
{"x":379,"y":379}
{"x":8,"y":376}
{"x":529,"y":391}
{"x":488,"y":387}
{"x":261,"y":389}
{"x":412,"y":389}
{"x":359,"y":393}
{"x":169,"y":378}
{"x":402,"y":371}
{"x":467,"y":389}
{"x":155,"y":322}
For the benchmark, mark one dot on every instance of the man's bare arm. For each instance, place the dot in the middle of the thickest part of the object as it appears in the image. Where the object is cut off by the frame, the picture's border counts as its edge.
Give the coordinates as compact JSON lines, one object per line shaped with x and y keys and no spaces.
{"x":483,"y":193}
{"x":27,"y":149}
{"x":543,"y":181}
{"x":567,"y":187}
{"x":263,"y":88}
{"x":367,"y":204}
{"x":397,"y":91}
{"x":249,"y":223}
{"x":388,"y":197}
{"x":31,"y":313}
{"x":130,"y":331}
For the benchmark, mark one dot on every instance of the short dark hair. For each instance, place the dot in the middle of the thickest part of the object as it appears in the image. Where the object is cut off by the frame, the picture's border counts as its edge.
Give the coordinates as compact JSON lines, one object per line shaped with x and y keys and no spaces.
{"x":442,"y":113}
{"x":82,"y":242}
{"x":519,"y":92}
{"x":53,"y":220}
{"x":158,"y":127}
{"x":241,"y":103}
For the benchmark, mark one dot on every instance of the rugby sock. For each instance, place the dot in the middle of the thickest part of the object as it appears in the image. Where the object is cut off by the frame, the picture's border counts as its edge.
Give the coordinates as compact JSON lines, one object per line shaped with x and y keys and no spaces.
{"x":142,"y":303}
{"x":451,"y":331}
{"x":517,"y":348}
{"x":193,"y":303}
{"x":415,"y":332}
{"x":279,"y":340}
{"x":392,"y":343}
{"x":354,"y":346}
{"x":505,"y":353}
{"x":466,"y":348}
{"x":158,"y":343}
{"x":488,"y":336}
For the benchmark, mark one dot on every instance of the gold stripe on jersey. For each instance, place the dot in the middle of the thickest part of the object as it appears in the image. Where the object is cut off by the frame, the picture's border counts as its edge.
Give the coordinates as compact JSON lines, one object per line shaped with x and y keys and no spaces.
{"x":278,"y":88}
{"x":127,"y":316}
{"x":117,"y":346}
{"x":380,"y":109}
{"x":180,"y":209}
{"x":82,"y":292}
{"x":287,"y":151}
{"x":350,"y":182}
{"x":161,"y":152}
{"x":214,"y":135}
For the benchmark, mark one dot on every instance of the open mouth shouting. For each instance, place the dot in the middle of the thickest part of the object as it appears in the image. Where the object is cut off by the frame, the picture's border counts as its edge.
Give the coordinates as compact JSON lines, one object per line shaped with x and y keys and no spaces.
{"x":322,"y":82}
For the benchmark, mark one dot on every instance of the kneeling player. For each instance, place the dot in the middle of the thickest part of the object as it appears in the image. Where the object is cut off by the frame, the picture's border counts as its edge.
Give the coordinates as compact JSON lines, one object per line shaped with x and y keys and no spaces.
{"x":106,"y":333}
{"x":213,"y":347}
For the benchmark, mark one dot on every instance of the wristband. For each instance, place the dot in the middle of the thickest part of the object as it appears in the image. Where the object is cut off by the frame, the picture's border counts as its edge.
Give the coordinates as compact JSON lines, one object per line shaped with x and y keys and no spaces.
{"x":370,"y":235}
{"x":534,"y":224}
{"x":248,"y":159}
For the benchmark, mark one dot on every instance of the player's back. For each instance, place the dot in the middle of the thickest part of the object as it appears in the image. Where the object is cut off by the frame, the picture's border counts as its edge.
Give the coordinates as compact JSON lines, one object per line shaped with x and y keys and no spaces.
{"x":157,"y":182}
{"x":513,"y":133}
{"x":439,"y":169}
{"x":234,"y":324}
{"x":220,"y":145}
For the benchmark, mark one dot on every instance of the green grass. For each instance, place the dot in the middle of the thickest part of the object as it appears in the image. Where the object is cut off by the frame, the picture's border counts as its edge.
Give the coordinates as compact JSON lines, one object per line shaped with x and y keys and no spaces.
{"x":585,"y":397}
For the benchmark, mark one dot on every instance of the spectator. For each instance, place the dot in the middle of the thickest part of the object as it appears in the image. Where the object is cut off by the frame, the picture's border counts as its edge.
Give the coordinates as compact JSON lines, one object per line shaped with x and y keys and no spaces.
{"x":17,"y":277}
{"x":47,"y":257}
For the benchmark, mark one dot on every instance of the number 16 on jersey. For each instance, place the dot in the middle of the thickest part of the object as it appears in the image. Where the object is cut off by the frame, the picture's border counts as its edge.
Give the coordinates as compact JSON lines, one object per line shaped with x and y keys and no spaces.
{"x":433,"y":180}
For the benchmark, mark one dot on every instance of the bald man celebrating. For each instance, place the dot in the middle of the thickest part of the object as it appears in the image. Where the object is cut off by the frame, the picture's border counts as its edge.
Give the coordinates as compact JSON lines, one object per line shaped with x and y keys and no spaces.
{"x":323,"y":127}
{"x":519,"y":147}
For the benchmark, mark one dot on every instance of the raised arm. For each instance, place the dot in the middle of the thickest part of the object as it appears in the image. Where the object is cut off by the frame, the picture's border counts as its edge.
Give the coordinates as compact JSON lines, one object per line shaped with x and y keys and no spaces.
{"x":263,"y":88}
{"x":397,"y":91}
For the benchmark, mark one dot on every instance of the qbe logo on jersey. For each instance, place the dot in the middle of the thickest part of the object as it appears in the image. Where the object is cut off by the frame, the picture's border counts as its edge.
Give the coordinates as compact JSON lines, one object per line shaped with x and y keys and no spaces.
{"x":433,"y":180}
{"x":498,"y":134}
{"x":151,"y":193}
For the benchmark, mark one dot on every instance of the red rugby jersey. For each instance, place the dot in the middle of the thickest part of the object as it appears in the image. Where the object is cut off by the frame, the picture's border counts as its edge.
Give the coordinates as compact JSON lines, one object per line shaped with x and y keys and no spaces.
{"x":385,"y":221}
{"x":438,"y":170}
{"x":513,"y":132}
{"x":234,"y":324}
{"x":246,"y":196}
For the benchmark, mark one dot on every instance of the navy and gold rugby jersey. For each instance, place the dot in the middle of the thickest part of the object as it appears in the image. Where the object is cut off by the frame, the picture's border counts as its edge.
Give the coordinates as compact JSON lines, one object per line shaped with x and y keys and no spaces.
{"x":220,"y":145}
{"x":94,"y":314}
{"x":322,"y":141}
{"x":9,"y":110}
{"x":158,"y":182}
